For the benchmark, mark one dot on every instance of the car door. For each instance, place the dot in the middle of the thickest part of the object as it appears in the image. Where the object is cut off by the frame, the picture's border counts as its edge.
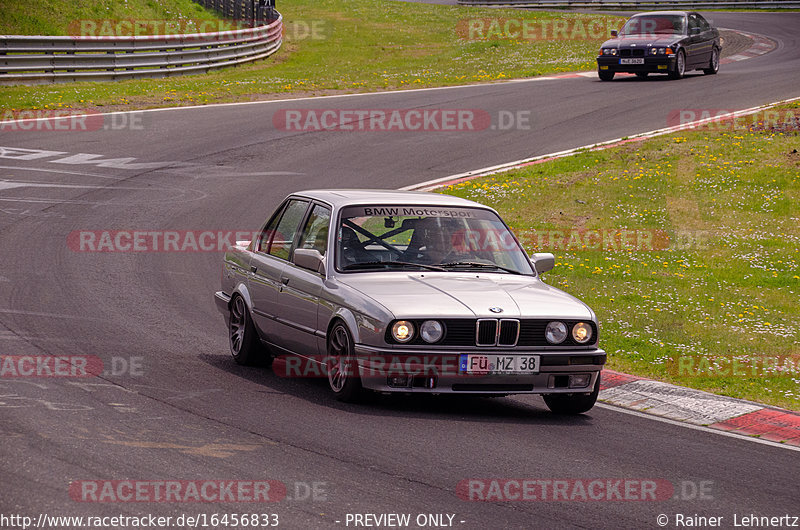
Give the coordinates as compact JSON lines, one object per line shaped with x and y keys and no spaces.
{"x":300,"y":289}
{"x":271,"y":255}
{"x":706,"y":41}
{"x":699,"y":49}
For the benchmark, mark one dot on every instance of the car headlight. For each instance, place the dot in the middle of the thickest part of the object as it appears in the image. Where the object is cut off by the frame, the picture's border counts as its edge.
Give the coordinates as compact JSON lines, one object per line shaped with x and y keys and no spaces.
{"x":555,"y":332}
{"x":654,"y":51}
{"x":609,"y":51}
{"x":582,"y":332}
{"x":403,"y":331}
{"x":431,"y":331}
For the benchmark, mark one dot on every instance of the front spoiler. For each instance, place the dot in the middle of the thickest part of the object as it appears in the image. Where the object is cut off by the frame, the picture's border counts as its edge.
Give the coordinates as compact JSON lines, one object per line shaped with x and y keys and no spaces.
{"x":656,"y":64}
{"x":437,"y":373}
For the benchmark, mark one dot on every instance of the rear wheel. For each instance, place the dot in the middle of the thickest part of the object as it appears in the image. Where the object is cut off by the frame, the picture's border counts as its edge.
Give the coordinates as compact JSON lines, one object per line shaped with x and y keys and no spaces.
{"x":641,"y":75}
{"x":605,"y":75}
{"x":679,"y":69}
{"x":342,"y":366}
{"x":572,"y":403}
{"x":246,"y":348}
{"x":713,"y":64}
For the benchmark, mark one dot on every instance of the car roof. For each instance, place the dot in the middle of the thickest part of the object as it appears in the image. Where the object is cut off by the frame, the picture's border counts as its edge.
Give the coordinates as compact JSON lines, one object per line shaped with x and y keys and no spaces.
{"x":662,"y":13}
{"x":347,"y":197}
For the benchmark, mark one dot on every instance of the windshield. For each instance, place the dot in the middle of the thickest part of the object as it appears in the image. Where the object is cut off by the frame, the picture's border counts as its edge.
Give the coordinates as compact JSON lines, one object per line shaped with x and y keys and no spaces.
{"x":655,"y":25}
{"x":371,"y":238}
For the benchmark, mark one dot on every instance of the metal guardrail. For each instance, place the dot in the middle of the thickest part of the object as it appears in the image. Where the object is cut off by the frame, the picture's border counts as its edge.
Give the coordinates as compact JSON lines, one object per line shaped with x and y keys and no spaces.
{"x":638,"y":5}
{"x":42,"y":59}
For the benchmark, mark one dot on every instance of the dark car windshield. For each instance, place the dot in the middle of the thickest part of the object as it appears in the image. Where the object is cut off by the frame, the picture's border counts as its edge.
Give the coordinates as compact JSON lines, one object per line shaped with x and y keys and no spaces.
{"x":375,"y":238}
{"x":655,"y":25}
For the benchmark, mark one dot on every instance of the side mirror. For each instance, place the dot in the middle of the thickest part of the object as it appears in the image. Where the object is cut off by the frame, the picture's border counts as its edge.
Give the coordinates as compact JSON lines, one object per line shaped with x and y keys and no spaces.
{"x":309,"y":258}
{"x":614,"y":33}
{"x":543,"y":262}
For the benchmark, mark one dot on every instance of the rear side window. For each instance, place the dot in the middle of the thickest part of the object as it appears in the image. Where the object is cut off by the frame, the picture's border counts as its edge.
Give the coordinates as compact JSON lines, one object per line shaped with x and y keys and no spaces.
{"x":279,"y":235}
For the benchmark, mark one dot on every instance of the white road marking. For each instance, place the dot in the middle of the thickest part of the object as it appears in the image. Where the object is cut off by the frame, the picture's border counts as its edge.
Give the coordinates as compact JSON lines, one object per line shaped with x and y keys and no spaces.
{"x":437,"y":182}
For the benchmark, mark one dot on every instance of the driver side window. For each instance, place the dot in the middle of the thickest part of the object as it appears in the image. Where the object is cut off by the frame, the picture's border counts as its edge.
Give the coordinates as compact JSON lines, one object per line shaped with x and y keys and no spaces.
{"x":279,"y":235}
{"x":315,"y":232}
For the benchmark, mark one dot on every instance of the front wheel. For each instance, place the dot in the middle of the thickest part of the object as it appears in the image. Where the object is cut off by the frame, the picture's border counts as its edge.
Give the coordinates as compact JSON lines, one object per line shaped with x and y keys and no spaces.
{"x":342,"y":367}
{"x":572,"y":403}
{"x":680,"y":66}
{"x":713,"y":64}
{"x":605,"y":75}
{"x":246,"y":348}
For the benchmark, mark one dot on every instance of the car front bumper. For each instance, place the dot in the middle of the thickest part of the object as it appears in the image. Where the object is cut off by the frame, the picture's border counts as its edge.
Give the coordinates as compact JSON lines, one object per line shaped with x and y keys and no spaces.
{"x":653,"y":64}
{"x":437,"y":372}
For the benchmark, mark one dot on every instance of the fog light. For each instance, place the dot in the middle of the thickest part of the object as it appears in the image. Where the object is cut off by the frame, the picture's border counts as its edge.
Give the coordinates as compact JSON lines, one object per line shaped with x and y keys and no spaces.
{"x":398,"y":381}
{"x":579,"y":380}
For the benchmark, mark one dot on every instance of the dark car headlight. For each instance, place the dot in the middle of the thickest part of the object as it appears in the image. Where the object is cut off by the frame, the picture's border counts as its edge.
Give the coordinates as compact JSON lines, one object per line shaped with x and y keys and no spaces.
{"x":431,"y":331}
{"x":609,"y":51}
{"x":555,"y":332}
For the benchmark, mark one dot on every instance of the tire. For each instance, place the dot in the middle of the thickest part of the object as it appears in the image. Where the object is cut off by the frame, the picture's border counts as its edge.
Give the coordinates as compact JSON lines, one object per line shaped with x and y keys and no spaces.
{"x":605,"y":75}
{"x":341,"y":365}
{"x":572,"y":403}
{"x":713,"y":64}
{"x":642,"y":75}
{"x":680,"y":66}
{"x":246,"y":347}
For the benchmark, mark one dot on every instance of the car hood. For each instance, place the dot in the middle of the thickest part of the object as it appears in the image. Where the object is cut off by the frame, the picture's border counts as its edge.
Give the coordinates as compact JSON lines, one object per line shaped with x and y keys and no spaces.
{"x":642,"y":41}
{"x":453,"y":295}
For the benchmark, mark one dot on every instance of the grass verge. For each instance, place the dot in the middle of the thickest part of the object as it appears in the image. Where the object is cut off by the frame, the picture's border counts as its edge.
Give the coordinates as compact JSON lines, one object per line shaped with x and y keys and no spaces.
{"x":60,"y":17}
{"x":709,"y":298}
{"x":334,"y":46}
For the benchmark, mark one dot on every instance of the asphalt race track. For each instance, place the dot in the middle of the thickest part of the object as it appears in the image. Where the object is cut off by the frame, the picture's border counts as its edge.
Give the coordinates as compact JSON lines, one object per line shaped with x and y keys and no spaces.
{"x":178,"y":408}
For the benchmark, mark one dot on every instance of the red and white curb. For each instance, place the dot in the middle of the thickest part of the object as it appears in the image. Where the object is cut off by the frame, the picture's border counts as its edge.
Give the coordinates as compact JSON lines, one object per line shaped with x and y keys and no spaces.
{"x":678,"y":403}
{"x":761,"y":45}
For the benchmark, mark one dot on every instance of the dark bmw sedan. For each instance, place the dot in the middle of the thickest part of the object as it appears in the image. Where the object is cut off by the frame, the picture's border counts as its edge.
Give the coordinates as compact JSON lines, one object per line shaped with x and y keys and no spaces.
{"x":663,"y":42}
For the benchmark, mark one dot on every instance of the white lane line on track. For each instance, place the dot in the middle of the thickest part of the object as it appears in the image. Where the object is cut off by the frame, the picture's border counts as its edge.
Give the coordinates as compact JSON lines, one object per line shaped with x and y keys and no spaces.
{"x":697,"y":427}
{"x":468,"y":175}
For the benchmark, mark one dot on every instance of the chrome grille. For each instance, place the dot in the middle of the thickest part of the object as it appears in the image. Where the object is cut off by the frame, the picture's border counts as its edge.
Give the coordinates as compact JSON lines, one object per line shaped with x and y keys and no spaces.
{"x":492,"y":332}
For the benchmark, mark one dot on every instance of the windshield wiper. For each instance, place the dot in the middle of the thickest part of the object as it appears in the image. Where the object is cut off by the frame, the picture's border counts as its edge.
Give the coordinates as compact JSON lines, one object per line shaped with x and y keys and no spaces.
{"x":475,"y":264}
{"x":372,"y":264}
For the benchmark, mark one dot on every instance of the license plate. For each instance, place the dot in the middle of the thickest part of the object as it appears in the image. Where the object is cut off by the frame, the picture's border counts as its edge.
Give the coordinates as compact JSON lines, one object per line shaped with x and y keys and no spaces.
{"x":631,"y":61}
{"x":480,"y":363}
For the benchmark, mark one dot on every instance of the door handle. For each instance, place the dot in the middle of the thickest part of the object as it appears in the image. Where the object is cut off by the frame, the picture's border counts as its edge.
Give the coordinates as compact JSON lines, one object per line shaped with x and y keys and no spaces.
{"x":285,"y":281}
{"x":253,"y":268}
